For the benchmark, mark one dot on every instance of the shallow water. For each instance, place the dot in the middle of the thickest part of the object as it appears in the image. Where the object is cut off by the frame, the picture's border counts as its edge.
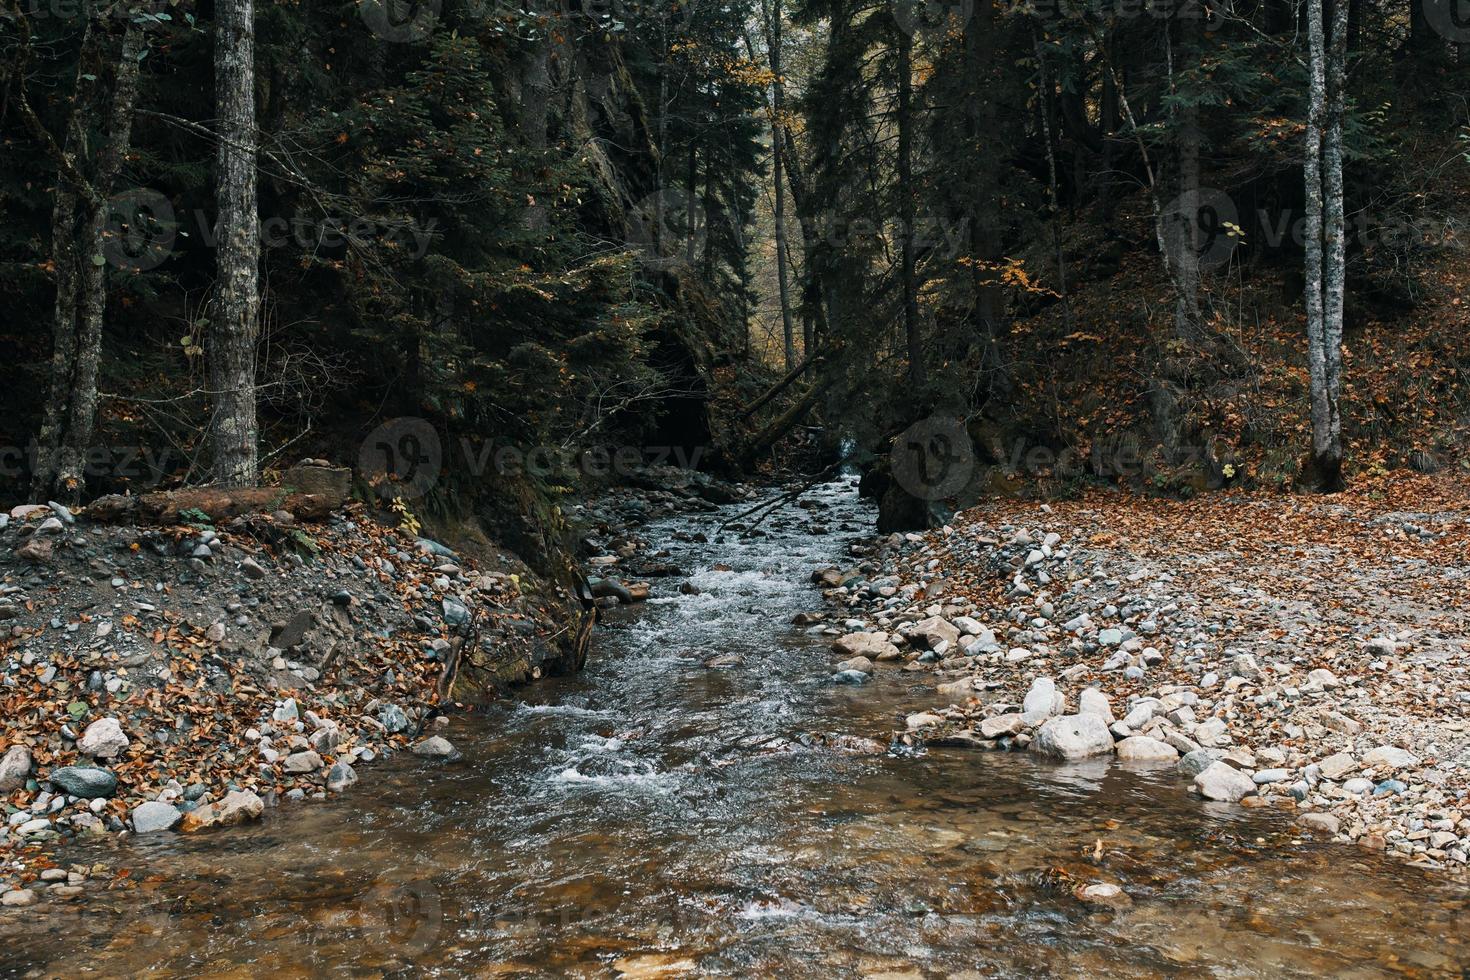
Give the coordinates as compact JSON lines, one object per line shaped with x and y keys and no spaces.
{"x":656,"y":817}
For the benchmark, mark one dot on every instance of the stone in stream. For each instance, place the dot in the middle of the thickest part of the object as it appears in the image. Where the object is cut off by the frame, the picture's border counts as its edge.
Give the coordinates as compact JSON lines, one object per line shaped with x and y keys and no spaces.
{"x":604,"y":588}
{"x":153,"y":816}
{"x":1198,"y":761}
{"x":436,"y":747}
{"x":1073,"y":737}
{"x":1322,"y":823}
{"x":1225,"y":783}
{"x":1141,"y":748}
{"x":18,"y":898}
{"x":1102,"y":894}
{"x":856,"y":663}
{"x":1008,"y":724}
{"x":850,"y":677}
{"x":87,"y":782}
{"x":341,"y":776}
{"x":236,"y":808}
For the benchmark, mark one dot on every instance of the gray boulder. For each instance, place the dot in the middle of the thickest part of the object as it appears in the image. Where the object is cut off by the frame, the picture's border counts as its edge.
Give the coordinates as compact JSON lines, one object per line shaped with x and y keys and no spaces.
{"x":87,"y":782}
{"x":1225,"y":783}
{"x":153,"y":816}
{"x":1073,"y":737}
{"x":14,"y":768}
{"x":1141,"y":748}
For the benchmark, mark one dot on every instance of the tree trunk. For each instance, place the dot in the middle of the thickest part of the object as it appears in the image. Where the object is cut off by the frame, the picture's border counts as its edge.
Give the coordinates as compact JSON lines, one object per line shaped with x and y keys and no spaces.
{"x":1325,"y":279}
{"x":79,"y":237}
{"x":237,"y":305}
{"x":906,"y":209}
{"x":1044,"y":97}
{"x":1185,"y":231}
{"x":788,"y":334}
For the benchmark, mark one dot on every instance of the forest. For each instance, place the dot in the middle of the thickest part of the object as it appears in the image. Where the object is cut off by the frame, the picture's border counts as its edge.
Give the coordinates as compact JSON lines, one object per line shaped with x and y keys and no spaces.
{"x":749,"y":229}
{"x":402,"y":359}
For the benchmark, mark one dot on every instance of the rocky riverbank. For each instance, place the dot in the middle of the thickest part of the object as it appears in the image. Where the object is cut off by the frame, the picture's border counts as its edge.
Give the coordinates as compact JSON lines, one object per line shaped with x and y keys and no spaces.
{"x":178,"y":662}
{"x":1309,"y":654}
{"x":190,"y":671}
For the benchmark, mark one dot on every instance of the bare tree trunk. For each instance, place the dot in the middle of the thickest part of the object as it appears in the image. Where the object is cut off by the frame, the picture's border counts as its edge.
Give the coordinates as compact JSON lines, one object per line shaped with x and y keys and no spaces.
{"x":71,"y":466}
{"x":78,"y":237}
{"x":778,"y":154}
{"x":1051,"y":166}
{"x":233,"y":331}
{"x":906,"y":208}
{"x":1325,"y":245}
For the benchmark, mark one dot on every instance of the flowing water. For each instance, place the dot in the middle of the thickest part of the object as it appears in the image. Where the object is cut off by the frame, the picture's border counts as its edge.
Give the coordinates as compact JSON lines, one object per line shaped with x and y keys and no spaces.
{"x":657,"y":817}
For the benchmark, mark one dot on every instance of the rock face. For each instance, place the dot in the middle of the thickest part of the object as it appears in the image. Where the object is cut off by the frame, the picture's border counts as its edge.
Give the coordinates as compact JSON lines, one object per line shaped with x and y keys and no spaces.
{"x":15,"y":766}
{"x":1224,"y":782}
{"x":1073,"y":737}
{"x":87,"y":782}
{"x":103,"y":739}
{"x":152,"y":817}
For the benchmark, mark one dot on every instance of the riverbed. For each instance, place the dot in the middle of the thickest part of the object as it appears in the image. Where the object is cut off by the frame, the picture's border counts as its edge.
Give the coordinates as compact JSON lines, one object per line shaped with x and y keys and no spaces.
{"x":655,"y":816}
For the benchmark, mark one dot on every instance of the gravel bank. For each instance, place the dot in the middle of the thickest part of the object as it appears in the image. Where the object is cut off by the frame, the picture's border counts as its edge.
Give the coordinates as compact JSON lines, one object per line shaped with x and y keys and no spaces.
{"x":1310,"y":654}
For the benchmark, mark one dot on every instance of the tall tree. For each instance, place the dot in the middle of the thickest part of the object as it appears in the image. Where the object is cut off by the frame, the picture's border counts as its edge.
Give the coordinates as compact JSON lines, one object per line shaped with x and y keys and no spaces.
{"x":905,"y":123}
{"x":1326,"y":246}
{"x":86,"y":170}
{"x":778,"y":154}
{"x":232,"y":336}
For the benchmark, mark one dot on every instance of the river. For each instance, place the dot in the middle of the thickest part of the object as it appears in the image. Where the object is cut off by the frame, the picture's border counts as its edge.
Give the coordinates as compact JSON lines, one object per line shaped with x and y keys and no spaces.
{"x":657,"y":817}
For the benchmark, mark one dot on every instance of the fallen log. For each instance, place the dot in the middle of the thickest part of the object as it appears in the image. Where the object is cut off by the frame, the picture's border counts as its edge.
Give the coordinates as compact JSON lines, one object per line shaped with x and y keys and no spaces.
{"x":772,"y":433}
{"x":780,"y":386}
{"x":309,"y":492}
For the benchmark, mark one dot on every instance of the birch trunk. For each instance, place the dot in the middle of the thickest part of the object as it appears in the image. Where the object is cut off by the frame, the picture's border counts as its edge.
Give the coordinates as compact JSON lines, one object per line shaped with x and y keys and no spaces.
{"x":1325,"y":244}
{"x":233,"y":428}
{"x":1325,"y":240}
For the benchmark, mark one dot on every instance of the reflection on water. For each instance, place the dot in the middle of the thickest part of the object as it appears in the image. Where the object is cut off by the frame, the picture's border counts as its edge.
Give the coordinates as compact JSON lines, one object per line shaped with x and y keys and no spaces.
{"x":658,"y":818}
